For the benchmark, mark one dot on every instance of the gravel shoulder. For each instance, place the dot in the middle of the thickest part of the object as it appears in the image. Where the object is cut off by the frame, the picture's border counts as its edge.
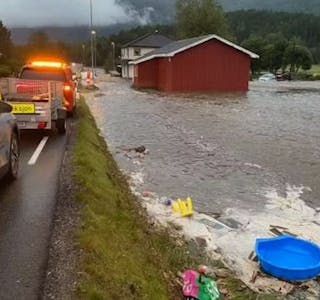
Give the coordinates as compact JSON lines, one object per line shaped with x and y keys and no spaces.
{"x":61,"y":276}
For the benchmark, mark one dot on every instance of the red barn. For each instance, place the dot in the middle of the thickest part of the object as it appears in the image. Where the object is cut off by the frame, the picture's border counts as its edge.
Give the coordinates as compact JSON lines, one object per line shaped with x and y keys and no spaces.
{"x":203,"y":64}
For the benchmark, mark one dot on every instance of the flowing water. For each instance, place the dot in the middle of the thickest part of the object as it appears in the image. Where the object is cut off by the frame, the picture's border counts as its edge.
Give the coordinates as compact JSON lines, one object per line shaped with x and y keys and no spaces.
{"x":224,"y":150}
{"x":251,"y":160}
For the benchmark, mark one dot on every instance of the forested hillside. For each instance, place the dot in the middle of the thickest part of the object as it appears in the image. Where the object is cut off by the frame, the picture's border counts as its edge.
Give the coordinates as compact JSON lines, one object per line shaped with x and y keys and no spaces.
{"x":307,"y":6}
{"x":304,"y":27}
{"x":70,"y":34}
{"x":268,"y":33}
{"x":163,"y":11}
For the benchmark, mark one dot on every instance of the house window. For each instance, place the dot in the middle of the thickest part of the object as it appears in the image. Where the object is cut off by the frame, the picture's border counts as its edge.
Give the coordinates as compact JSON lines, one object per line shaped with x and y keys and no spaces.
{"x":137,"y":52}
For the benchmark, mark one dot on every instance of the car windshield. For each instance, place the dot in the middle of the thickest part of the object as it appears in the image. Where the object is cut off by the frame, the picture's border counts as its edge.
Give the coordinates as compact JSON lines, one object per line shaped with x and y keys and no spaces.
{"x":40,"y":74}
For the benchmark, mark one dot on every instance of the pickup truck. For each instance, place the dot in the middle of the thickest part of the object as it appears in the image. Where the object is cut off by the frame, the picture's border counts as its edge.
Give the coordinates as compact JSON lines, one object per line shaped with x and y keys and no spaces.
{"x":53,"y":71}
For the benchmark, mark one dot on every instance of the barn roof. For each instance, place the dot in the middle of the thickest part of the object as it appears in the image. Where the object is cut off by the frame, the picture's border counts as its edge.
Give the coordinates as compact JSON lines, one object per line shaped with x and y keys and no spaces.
{"x":174,"y":48}
{"x":150,"y":40}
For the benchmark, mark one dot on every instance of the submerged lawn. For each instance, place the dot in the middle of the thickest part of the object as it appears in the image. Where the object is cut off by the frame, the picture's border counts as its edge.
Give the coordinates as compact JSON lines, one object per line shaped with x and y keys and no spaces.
{"x":122,"y":256}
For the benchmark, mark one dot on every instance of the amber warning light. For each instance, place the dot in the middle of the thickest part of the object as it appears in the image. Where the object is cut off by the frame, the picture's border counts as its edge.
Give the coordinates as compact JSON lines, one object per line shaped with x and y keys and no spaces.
{"x":67,"y":88}
{"x":50,"y":64}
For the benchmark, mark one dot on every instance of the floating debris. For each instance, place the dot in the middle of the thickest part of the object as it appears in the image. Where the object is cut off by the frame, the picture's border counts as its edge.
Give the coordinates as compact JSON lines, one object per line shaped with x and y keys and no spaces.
{"x":140,"y":149}
{"x":147,"y":194}
{"x":197,"y":285}
{"x":183,"y":207}
{"x":289,"y":258}
{"x":98,"y":95}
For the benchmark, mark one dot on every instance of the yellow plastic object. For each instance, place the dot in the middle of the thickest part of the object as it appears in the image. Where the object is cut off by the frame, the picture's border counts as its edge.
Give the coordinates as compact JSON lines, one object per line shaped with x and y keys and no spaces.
{"x":183,"y":207}
{"x":175,"y":207}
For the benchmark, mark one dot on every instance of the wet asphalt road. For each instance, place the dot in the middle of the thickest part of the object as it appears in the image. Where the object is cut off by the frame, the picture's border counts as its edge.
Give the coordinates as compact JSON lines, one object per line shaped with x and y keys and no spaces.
{"x":26,"y":211}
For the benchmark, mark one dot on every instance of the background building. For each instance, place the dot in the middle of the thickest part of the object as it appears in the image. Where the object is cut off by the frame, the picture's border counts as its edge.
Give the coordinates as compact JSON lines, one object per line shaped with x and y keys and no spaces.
{"x":206,"y":63}
{"x":138,"y":48}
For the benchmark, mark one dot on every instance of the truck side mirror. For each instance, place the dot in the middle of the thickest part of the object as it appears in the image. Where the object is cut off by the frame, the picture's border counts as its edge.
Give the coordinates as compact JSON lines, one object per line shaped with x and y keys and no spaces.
{"x":5,"y":107}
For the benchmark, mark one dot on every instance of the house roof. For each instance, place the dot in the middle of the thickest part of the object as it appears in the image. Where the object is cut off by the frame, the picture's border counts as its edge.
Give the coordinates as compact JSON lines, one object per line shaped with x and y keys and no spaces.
{"x":151,"y":40}
{"x":174,"y":48}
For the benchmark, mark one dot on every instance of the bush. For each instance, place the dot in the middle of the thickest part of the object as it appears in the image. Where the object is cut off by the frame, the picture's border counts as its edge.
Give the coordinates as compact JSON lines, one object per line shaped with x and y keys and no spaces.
{"x":316,"y":76}
{"x":305,"y":76}
{"x":15,"y":65}
{"x":5,"y":71}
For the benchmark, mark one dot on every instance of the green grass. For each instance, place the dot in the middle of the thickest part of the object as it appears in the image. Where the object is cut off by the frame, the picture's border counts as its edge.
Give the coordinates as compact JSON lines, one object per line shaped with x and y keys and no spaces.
{"x":309,"y":75}
{"x":123,"y":257}
{"x":315,"y":69}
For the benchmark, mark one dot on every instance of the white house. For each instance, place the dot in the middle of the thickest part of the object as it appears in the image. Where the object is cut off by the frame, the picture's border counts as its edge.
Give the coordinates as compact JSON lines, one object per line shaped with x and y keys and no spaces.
{"x":138,"y":48}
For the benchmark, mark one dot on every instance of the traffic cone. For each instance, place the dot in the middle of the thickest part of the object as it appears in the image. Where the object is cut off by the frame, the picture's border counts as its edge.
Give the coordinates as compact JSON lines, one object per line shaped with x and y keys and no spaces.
{"x":89,"y":78}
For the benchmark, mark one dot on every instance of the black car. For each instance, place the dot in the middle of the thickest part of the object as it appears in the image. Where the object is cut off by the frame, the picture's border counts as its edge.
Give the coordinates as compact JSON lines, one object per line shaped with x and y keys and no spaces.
{"x":9,"y":143}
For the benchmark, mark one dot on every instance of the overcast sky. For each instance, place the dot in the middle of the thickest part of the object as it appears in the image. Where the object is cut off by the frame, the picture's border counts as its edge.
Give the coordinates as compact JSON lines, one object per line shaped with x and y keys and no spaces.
{"x":58,"y":12}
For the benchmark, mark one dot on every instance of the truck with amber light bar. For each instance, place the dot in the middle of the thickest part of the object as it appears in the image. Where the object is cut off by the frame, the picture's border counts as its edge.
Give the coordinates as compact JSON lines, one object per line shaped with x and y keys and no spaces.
{"x":37,"y":104}
{"x":53,"y":70}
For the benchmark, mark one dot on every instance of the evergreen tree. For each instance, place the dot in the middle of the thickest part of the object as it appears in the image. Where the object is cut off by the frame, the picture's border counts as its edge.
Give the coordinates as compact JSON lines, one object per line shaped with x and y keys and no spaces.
{"x":297,"y":57}
{"x":200,"y":17}
{"x":5,"y":43}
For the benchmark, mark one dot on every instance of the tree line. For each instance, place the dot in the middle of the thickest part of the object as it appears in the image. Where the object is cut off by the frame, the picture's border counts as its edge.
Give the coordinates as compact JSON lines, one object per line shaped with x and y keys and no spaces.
{"x":276,"y":52}
{"x":304,"y":27}
{"x":283,"y":40}
{"x":12,"y":57}
{"x":293,"y":6}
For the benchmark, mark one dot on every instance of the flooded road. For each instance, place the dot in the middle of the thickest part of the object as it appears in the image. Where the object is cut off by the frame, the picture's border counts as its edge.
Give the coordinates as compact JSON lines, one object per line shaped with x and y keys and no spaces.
{"x":224,"y":150}
{"x":251,"y":163}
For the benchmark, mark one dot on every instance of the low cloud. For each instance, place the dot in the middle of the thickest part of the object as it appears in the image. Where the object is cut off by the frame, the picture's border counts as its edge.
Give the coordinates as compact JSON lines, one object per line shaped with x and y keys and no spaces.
{"x":147,"y":11}
{"x":60,"y":12}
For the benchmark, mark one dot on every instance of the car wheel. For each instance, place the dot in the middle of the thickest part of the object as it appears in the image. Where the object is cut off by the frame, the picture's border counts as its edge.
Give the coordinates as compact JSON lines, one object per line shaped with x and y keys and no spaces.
{"x":61,"y":126}
{"x":14,"y":157}
{"x":71,"y":113}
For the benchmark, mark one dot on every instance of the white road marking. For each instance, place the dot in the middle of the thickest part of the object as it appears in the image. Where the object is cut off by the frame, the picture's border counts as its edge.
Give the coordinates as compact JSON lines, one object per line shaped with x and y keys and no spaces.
{"x":38,"y":151}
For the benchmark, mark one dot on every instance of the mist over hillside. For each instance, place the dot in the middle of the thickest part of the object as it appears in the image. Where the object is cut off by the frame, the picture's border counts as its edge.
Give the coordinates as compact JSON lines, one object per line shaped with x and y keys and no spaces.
{"x":76,"y":34}
{"x":157,"y":12}
{"x":163,"y":11}
{"x":308,"y":6}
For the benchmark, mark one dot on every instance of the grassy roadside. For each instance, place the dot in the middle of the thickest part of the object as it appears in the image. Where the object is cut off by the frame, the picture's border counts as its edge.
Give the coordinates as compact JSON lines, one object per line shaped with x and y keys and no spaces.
{"x":123,"y":257}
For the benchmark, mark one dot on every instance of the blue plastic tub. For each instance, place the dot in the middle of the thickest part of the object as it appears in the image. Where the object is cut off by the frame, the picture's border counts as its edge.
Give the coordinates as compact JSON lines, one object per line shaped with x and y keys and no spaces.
{"x":289,"y":258}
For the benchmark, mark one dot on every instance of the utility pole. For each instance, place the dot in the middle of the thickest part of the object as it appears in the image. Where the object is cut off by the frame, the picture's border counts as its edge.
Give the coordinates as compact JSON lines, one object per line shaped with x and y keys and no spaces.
{"x":92,"y":39}
{"x":95,"y":52}
{"x":83,"y":54}
{"x":113,"y":56}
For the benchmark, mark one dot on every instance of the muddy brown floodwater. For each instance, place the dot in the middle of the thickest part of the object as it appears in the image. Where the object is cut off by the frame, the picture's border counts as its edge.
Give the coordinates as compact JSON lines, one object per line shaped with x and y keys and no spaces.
{"x":224,"y":150}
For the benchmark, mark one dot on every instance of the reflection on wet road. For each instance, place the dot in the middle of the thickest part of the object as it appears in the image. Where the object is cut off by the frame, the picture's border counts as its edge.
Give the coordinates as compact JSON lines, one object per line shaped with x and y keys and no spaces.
{"x":26,"y":210}
{"x":225,"y":150}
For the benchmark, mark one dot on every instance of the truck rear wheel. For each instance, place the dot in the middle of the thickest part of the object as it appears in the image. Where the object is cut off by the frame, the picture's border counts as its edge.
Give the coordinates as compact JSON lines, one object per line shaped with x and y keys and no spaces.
{"x":61,"y":126}
{"x":72,"y":113}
